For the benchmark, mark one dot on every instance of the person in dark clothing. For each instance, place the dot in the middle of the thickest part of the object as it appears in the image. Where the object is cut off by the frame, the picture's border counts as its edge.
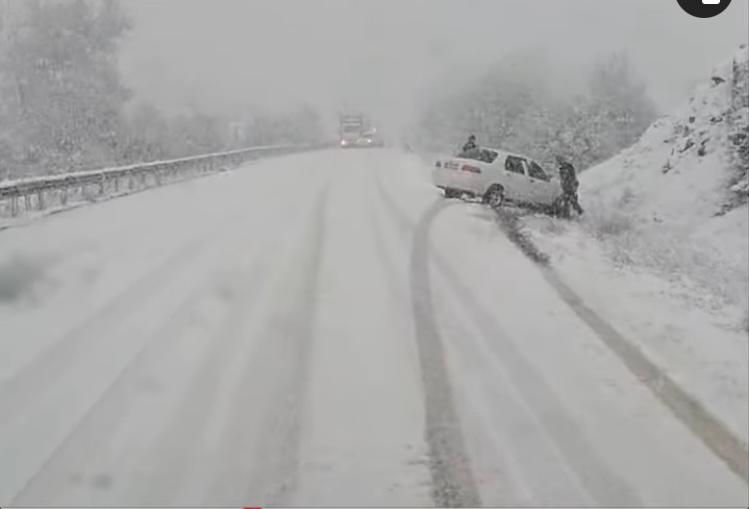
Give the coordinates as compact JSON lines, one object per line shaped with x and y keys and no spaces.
{"x":470,"y":144}
{"x":570,"y":185}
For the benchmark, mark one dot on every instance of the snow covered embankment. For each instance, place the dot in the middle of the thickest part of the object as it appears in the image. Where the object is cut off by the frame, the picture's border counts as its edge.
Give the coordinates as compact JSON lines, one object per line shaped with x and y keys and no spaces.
{"x":662,"y":252}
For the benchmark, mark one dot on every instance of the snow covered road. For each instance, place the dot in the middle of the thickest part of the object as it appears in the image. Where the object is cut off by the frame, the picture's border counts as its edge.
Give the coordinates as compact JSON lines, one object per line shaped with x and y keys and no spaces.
{"x":318,"y":329}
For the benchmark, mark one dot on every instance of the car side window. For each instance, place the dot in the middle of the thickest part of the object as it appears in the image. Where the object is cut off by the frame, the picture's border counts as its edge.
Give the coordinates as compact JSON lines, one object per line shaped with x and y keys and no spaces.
{"x":488,"y":156}
{"x":515,"y":164}
{"x":535,"y":171}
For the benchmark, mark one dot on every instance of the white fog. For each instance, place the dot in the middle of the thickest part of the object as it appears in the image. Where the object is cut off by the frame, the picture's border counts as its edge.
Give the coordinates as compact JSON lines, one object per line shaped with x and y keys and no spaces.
{"x":223,"y":53}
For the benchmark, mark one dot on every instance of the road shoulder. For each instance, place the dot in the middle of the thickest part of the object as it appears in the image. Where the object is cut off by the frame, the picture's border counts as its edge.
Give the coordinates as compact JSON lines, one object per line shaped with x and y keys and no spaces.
{"x":684,"y":351}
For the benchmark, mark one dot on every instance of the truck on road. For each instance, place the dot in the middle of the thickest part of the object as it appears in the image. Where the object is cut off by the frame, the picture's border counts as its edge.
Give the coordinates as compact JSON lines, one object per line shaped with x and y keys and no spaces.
{"x":356,"y":130}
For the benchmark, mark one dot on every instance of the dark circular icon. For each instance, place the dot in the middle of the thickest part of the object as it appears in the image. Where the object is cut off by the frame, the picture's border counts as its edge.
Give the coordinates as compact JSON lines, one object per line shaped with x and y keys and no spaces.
{"x":704,"y":8}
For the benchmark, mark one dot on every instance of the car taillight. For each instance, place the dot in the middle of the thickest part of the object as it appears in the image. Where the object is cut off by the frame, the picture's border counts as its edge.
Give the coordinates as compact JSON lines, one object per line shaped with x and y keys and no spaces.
{"x":471,"y":169}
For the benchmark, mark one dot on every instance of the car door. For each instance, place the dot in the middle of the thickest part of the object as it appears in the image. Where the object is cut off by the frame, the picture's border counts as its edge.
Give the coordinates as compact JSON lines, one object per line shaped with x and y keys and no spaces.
{"x":516,"y":182}
{"x":491,"y":171}
{"x":541,"y":185}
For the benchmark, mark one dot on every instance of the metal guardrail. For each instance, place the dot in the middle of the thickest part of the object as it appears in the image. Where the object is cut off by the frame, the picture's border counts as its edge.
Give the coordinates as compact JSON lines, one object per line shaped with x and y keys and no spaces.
{"x":38,"y":193}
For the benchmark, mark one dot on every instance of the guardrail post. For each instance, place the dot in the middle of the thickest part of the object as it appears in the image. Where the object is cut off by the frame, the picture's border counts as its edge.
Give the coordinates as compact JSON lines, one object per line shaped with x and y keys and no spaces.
{"x":14,"y":206}
{"x":117,"y":184}
{"x":102,"y":184}
{"x":64,"y":196}
{"x":27,"y":202}
{"x":40,"y":200}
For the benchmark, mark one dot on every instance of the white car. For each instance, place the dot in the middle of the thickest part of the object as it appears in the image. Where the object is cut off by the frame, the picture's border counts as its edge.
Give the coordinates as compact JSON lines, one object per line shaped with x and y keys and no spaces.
{"x":495,"y":176}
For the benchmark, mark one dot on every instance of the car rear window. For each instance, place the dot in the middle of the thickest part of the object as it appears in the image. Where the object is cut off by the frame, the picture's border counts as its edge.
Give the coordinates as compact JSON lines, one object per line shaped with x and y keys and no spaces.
{"x":515,"y":164}
{"x":479,"y":154}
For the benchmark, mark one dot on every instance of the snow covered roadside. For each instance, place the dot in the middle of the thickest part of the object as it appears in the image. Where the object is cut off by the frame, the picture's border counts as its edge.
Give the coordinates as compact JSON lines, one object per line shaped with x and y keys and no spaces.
{"x":680,"y":299}
{"x":662,"y":252}
{"x":693,"y":335}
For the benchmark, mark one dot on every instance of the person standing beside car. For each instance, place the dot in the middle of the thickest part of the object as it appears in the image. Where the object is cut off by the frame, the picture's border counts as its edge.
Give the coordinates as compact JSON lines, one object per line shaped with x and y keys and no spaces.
{"x":570,"y":185}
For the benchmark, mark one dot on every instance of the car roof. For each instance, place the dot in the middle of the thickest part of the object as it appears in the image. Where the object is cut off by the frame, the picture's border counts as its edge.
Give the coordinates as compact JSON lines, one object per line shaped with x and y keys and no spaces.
{"x":505,"y":153}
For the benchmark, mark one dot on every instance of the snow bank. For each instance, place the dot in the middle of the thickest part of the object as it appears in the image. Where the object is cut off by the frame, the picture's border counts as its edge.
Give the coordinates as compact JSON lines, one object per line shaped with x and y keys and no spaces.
{"x":662,"y":252}
{"x":674,"y":200}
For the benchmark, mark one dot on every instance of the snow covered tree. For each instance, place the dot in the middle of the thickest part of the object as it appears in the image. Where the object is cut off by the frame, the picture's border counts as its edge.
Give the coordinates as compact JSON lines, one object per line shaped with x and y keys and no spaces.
{"x":619,"y":105}
{"x":305,"y":125}
{"x":148,"y":137}
{"x":61,"y":80}
{"x":513,"y":106}
{"x":300,"y":124}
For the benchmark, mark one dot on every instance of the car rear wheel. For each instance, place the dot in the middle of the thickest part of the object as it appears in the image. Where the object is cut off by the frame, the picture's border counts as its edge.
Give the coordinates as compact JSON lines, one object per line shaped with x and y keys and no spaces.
{"x":495,"y":196}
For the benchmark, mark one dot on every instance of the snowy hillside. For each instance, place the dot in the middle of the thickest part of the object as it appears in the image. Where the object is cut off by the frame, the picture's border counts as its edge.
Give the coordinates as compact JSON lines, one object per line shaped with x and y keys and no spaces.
{"x":676,"y":200}
{"x":662,"y":251}
{"x":683,"y":166}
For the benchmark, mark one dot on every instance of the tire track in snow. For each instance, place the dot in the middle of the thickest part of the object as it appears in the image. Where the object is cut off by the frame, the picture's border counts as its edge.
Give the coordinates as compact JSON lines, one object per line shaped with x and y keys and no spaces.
{"x":453,"y":483}
{"x":260,"y":442}
{"x":597,"y":478}
{"x":686,"y":408}
{"x":40,"y":373}
{"x":700,"y":421}
{"x":180,"y":451}
{"x":180,"y":440}
{"x":51,"y":363}
{"x":110,"y":404}
{"x":499,"y":480}
{"x":43,"y":374}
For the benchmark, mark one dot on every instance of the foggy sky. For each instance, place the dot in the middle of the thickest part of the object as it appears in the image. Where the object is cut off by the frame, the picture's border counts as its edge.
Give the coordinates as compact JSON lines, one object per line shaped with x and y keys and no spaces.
{"x":217,"y":55}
